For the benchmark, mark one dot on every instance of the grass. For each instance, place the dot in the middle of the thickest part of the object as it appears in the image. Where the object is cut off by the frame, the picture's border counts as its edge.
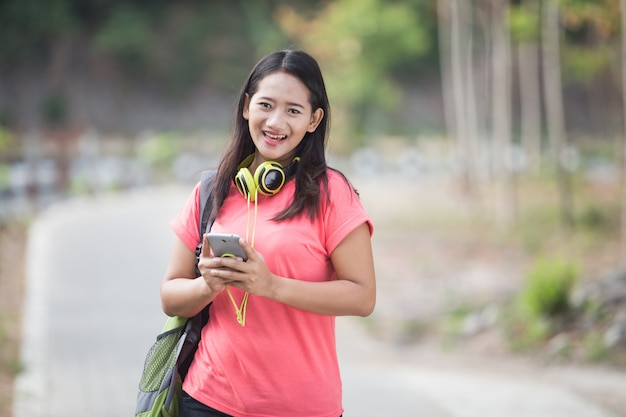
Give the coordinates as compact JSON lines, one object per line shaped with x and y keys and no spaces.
{"x":12,"y":249}
{"x":548,"y":287}
{"x":539,"y":318}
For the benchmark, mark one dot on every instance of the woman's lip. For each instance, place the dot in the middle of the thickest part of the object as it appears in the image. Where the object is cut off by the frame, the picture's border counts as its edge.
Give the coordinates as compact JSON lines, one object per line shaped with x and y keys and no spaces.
{"x":271,"y":141}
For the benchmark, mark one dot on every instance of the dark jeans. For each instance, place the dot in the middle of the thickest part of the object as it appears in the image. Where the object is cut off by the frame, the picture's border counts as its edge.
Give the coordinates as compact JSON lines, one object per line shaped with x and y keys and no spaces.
{"x":192,"y":408}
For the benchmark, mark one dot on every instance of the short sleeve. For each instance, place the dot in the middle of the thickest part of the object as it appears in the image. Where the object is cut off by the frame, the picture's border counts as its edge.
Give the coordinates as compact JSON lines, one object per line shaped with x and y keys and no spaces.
{"x":344,"y":213}
{"x":186,"y":223}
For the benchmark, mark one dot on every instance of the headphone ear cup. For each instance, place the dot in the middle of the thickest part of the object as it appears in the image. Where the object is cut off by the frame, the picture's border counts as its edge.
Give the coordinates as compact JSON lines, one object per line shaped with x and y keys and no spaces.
{"x":245,"y":183}
{"x":269,"y":178}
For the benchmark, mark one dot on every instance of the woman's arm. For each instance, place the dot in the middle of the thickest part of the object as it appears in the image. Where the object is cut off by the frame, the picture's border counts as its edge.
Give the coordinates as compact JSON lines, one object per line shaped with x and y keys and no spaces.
{"x":182,"y":293}
{"x":352,"y":293}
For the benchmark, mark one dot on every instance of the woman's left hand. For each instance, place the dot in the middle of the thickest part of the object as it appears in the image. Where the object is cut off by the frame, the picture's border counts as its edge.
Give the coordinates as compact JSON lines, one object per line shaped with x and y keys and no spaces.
{"x":252,"y":275}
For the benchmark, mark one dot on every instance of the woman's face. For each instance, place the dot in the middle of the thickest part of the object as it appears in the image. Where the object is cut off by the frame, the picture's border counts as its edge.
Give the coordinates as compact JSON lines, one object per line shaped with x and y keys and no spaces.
{"x":279,"y":115}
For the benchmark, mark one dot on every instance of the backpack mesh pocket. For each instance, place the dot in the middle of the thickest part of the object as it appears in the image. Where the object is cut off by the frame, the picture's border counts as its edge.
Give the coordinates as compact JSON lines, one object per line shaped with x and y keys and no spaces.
{"x":159,"y":360}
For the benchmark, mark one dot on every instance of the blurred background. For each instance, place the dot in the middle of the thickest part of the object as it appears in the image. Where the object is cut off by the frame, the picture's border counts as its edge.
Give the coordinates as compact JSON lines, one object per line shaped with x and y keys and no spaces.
{"x":486,"y":138}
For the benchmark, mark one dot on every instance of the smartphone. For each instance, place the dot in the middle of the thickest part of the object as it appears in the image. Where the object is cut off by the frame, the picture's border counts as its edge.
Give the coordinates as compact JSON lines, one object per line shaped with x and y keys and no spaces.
{"x":226,"y":245}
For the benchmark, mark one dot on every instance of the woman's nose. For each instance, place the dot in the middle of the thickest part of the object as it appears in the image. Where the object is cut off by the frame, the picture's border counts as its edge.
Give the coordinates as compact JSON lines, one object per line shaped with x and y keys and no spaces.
{"x":276,"y":120}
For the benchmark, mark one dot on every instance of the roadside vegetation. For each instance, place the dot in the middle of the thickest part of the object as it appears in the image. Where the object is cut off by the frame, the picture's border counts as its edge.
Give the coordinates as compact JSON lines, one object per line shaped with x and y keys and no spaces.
{"x":569,"y":306}
{"x":12,"y":252}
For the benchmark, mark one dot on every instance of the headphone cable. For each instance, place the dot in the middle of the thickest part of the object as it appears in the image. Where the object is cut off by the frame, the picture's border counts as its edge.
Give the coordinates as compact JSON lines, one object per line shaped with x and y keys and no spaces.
{"x":242,"y":310}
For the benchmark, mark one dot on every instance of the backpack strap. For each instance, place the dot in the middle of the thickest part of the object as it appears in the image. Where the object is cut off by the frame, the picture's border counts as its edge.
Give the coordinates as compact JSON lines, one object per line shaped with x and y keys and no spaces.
{"x":194,"y":325}
{"x":207,"y":181}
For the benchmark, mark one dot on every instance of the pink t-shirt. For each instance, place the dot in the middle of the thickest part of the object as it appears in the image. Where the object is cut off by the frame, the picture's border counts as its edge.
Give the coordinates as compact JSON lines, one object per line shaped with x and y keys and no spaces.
{"x":283,"y":363}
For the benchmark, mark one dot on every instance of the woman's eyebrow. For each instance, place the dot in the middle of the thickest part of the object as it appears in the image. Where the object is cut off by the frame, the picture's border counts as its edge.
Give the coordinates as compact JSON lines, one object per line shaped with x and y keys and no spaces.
{"x":293,"y":104}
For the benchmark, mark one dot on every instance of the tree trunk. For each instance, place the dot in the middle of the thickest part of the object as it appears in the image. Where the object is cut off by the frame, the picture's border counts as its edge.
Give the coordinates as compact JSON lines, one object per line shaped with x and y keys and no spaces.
{"x":472,"y":149}
{"x":554,"y":106}
{"x":623,"y":162}
{"x":443,"y":15}
{"x":530,"y":103}
{"x":501,"y":115}
{"x":458,"y":52}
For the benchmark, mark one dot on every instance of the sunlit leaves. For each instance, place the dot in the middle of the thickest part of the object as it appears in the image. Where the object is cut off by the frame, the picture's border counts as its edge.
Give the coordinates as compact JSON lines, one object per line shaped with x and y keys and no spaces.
{"x":358,"y":42}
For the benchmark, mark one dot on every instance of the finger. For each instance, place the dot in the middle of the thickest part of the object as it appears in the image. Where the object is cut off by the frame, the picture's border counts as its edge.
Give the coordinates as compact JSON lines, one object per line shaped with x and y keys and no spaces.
{"x":205,"y":251}
{"x":229,"y":271}
{"x":228,"y":264}
{"x":246,"y":247}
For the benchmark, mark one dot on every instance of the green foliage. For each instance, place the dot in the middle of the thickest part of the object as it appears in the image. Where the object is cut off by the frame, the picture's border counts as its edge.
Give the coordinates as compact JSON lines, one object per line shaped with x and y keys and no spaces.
{"x":533,"y":223}
{"x":524,"y":22}
{"x":368,"y":37}
{"x":263,"y":34}
{"x":80,"y":185}
{"x":160,"y":150}
{"x":171,"y":44}
{"x":127,"y":35}
{"x":599,"y":219}
{"x":410,"y":330}
{"x":54,"y":109}
{"x":548,"y":287}
{"x":589,"y":21}
{"x":27,"y":25}
{"x":524,"y":332}
{"x":9,"y":360}
{"x":594,"y":348}
{"x":541,"y":307}
{"x":365,"y":46}
{"x":358,"y":43}
{"x":183,"y":59}
{"x":582,"y":64}
{"x":591,"y":29}
{"x":5,"y":174}
{"x":5,"y":138}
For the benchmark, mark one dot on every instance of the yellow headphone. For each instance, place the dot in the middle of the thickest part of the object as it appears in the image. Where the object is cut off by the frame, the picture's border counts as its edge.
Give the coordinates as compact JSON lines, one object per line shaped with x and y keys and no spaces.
{"x":267,"y":179}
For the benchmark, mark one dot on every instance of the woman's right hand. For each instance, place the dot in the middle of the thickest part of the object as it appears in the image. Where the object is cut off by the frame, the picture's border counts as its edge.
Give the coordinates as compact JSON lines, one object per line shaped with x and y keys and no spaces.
{"x":207,"y":262}
{"x":183,"y":292}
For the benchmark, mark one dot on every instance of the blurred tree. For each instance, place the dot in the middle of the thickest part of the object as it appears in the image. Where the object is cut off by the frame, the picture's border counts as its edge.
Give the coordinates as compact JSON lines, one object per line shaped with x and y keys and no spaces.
{"x":457,"y":50}
{"x":30,"y":26}
{"x":590,"y":28}
{"x":623,"y":170}
{"x":127,"y":34}
{"x":170,"y":47}
{"x":591,"y":36}
{"x":524,"y":20}
{"x":371,"y":50}
{"x":553,"y":90}
{"x":476,"y":63}
{"x":526,"y":24}
{"x":506,"y":203}
{"x":359,"y":42}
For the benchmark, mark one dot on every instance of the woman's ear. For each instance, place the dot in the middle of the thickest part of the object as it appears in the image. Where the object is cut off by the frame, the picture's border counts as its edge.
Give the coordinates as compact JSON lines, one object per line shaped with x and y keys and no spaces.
{"x":246,"y":106}
{"x":316,"y":118}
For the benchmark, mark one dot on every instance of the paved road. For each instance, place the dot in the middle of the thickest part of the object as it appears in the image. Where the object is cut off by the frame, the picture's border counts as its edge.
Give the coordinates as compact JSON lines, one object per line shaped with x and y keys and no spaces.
{"x":92,"y":311}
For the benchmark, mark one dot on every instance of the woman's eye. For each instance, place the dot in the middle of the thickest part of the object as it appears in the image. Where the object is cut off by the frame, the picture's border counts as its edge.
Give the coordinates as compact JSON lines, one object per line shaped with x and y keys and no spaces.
{"x":294,"y":111}
{"x":264,"y":105}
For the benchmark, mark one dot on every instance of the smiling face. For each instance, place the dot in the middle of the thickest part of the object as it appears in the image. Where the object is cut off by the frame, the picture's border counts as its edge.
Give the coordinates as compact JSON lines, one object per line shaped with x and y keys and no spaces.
{"x":279,"y":115}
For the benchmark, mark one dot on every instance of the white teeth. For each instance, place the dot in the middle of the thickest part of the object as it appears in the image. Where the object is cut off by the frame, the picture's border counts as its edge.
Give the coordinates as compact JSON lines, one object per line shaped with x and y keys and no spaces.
{"x":275,"y":137}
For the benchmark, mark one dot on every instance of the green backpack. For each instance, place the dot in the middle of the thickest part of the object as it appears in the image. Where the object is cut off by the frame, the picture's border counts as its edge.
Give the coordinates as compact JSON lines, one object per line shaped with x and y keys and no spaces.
{"x":168,"y":360}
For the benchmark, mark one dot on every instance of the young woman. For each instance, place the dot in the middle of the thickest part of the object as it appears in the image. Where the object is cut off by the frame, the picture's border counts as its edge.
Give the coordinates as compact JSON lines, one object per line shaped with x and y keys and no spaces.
{"x":269,"y":346}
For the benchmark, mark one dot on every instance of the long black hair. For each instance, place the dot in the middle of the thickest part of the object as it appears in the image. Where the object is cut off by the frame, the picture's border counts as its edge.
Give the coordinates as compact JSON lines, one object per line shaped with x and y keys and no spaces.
{"x":311,"y":171}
